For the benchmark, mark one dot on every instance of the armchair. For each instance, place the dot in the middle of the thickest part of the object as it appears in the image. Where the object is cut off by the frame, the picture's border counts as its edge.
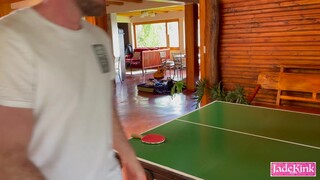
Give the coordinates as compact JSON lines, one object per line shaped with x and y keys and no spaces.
{"x":134,"y":61}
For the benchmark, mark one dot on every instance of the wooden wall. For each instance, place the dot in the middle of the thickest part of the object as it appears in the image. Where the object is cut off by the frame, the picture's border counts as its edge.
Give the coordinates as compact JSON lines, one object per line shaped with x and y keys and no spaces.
{"x":260,"y":35}
{"x":5,"y":9}
{"x":100,"y":21}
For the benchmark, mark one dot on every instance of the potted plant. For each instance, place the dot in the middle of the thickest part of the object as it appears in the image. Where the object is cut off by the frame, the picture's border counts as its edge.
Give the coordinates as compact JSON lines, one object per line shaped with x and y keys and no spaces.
{"x":177,"y":88}
{"x":217,"y":92}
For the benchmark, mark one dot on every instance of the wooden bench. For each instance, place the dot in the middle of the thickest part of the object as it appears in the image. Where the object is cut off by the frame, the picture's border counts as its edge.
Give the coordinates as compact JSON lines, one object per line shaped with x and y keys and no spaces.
{"x":147,"y":59}
{"x":152,"y":59}
{"x":306,"y":83}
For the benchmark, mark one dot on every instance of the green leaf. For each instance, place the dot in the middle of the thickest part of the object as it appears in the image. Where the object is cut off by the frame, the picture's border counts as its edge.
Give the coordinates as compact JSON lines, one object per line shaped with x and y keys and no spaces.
{"x":200,"y":90}
{"x":177,"y":88}
{"x":237,"y":96}
{"x":218,"y":93}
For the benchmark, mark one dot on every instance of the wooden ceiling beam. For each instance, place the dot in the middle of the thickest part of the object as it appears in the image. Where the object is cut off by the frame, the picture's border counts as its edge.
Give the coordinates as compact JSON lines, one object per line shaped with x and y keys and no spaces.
{"x":155,"y":10}
{"x":9,"y":1}
{"x":133,"y":1}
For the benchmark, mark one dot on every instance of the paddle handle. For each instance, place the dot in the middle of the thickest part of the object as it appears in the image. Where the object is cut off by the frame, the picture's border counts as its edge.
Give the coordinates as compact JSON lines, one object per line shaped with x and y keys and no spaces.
{"x":138,"y":136}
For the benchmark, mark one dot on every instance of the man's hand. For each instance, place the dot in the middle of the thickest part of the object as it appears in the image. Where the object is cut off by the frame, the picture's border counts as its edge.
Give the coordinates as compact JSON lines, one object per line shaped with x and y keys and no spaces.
{"x":131,"y":168}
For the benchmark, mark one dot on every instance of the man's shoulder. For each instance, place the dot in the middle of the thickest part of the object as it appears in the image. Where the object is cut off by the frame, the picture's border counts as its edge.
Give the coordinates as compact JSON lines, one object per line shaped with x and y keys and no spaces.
{"x":17,"y":15}
{"x":14,"y":21}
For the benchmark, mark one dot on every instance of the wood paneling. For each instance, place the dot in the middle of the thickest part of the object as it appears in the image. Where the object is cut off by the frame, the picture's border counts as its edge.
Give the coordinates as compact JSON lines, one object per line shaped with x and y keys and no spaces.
{"x":9,"y":1}
{"x":100,"y":21}
{"x":5,"y":9}
{"x":260,"y":35}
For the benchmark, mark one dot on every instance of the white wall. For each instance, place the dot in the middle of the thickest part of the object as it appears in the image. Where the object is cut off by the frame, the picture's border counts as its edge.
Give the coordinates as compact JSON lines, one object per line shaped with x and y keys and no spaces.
{"x":123,"y":19}
{"x":113,"y":32}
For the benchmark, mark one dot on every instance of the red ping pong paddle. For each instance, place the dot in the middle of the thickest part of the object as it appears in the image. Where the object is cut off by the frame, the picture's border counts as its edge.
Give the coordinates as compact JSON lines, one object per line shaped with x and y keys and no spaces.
{"x":150,"y":138}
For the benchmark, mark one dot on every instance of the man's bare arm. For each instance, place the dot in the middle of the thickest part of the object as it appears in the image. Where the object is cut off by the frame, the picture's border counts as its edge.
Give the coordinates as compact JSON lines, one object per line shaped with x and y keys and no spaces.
{"x":131,"y":167}
{"x":15,"y":132}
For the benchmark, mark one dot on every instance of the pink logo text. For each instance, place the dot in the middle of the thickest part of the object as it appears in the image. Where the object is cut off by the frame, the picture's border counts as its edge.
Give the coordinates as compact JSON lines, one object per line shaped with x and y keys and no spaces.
{"x":289,"y":169}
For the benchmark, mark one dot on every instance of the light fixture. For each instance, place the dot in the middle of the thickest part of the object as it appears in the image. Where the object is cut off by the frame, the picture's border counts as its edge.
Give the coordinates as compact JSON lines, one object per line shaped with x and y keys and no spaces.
{"x":152,"y":14}
{"x":146,"y":13}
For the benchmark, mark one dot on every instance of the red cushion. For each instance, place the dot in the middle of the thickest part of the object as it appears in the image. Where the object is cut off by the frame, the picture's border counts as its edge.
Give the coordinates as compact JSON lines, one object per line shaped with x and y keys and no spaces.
{"x":145,"y":49}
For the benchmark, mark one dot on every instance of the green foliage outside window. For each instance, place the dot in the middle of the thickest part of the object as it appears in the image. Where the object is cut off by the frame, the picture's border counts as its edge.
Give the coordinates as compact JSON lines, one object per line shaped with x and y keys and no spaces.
{"x":151,"y":35}
{"x":158,"y":34}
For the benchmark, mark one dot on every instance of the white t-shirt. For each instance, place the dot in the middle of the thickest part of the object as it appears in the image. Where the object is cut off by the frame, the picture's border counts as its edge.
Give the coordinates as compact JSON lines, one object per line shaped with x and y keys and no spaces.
{"x":65,"y":76}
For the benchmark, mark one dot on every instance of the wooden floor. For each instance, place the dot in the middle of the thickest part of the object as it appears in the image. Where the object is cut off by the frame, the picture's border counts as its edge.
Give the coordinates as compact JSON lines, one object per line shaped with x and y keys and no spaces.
{"x":140,"y":111}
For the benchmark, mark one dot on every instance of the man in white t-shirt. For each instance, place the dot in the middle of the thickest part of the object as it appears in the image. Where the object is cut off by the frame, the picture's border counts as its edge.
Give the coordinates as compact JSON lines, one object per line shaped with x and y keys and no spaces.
{"x":56,"y":113}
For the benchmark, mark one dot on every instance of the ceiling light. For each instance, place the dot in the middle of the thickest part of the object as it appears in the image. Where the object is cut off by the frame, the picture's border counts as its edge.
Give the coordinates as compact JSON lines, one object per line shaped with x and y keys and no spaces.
{"x":144,"y":14}
{"x":152,"y":14}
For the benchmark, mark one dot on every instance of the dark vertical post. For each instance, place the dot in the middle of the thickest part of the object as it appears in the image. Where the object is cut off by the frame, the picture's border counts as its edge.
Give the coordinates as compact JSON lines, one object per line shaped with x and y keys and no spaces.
{"x":191,"y":33}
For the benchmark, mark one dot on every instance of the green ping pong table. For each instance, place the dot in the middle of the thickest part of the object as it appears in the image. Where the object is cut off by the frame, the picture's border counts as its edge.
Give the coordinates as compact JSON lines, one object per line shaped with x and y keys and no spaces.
{"x":230,"y":141}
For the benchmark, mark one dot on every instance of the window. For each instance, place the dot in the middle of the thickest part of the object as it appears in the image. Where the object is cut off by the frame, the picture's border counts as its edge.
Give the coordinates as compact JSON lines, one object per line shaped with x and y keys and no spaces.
{"x":173,"y":32}
{"x":157,"y":34}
